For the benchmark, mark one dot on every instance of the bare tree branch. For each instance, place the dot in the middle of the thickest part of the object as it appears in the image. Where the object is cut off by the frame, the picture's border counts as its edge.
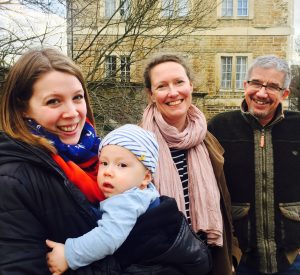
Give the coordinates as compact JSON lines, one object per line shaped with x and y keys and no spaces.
{"x":143,"y":30}
{"x":22,"y":27}
{"x":135,"y":32}
{"x":134,"y":29}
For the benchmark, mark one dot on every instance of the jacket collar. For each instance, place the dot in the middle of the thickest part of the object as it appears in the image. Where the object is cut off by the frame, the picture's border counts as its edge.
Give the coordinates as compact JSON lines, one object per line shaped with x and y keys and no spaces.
{"x":254,"y":122}
{"x":13,"y":150}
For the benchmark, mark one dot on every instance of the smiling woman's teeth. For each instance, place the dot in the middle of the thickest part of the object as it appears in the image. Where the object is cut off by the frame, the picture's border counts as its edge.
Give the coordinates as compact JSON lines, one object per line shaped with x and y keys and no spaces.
{"x":174,"y":103}
{"x":68,"y":128}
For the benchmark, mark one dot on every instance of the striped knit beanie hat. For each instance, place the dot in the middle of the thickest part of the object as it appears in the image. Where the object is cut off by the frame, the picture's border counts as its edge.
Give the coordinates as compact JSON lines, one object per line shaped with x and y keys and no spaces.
{"x":140,"y":142}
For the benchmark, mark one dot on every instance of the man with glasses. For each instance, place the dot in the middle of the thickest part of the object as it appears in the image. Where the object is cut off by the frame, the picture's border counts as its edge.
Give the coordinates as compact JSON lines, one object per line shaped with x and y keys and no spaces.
{"x":262,"y":169}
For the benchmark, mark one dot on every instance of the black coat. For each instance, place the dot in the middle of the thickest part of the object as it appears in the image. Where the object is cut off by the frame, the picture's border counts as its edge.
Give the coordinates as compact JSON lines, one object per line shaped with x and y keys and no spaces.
{"x":37,"y":202}
{"x":264,"y":183}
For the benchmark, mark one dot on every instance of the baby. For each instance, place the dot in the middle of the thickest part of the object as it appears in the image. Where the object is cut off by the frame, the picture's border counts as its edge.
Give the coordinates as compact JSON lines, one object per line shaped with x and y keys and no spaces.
{"x":127,"y":160}
{"x":143,"y":233}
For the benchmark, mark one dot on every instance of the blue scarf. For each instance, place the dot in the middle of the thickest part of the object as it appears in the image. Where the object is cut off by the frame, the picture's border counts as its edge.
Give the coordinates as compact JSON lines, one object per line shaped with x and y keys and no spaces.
{"x":78,"y":161}
{"x":86,"y":148}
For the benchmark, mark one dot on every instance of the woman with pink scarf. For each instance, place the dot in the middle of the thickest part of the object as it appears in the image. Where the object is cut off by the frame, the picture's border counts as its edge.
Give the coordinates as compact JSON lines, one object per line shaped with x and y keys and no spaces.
{"x":190,"y":167}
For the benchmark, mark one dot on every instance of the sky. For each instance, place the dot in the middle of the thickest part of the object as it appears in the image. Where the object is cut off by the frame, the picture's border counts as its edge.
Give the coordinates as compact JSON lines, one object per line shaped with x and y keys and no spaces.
{"x":24,"y":22}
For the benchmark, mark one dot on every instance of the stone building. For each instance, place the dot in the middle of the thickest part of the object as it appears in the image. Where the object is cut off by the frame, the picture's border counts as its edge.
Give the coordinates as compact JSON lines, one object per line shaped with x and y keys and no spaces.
{"x":105,"y":38}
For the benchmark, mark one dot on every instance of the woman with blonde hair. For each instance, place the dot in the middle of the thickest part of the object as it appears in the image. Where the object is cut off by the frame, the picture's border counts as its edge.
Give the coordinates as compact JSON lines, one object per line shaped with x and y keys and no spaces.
{"x":190,"y":167}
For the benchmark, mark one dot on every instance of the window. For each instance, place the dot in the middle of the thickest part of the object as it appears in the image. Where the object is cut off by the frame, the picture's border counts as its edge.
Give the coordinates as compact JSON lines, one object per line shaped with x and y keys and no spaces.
{"x":233,"y":69}
{"x":183,"y":8}
{"x":167,"y":8}
{"x":125,"y":69}
{"x":227,"y":8}
{"x":242,"y":9}
{"x":226,"y":70}
{"x":175,"y":8}
{"x":110,"y":66}
{"x":235,"y":8}
{"x":117,"y":67}
{"x":240,"y":72}
{"x":124,"y":8}
{"x":110,"y":8}
{"x":117,"y":7}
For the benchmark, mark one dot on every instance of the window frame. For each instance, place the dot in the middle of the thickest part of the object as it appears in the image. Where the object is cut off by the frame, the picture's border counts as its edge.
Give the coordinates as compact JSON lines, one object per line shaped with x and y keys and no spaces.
{"x":243,"y":7}
{"x":166,"y":11}
{"x":234,"y":79}
{"x":110,"y":67}
{"x":226,"y":9}
{"x":125,"y":68}
{"x":108,"y":13}
{"x":124,"y":8}
{"x":226,"y":75}
{"x":115,"y":9}
{"x":243,"y":73}
{"x":235,"y":8}
{"x":174,"y":8}
{"x":115,"y":69}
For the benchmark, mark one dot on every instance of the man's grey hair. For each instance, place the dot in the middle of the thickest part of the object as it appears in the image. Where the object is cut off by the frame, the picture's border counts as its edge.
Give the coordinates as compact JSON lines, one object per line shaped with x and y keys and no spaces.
{"x":272,"y":61}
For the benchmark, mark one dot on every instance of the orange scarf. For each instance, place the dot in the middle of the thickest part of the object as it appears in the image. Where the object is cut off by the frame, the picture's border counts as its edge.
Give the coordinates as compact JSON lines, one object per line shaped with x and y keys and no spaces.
{"x":86,"y":181}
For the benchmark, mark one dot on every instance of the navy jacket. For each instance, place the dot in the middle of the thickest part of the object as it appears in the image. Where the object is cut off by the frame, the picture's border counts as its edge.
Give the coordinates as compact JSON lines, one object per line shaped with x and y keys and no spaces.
{"x":37,"y":202}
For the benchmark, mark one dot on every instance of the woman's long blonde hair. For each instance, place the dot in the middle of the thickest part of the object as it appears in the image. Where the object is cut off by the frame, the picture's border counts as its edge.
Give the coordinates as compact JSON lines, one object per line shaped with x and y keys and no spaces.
{"x":18,"y":89}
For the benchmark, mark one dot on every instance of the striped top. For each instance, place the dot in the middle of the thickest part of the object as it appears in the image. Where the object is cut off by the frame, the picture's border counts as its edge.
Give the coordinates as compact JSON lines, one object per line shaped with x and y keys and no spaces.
{"x":179,"y":158}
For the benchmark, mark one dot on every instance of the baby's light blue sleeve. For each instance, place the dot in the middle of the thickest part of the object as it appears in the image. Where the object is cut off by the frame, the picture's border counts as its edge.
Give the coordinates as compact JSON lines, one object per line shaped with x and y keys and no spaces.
{"x":120,"y":213}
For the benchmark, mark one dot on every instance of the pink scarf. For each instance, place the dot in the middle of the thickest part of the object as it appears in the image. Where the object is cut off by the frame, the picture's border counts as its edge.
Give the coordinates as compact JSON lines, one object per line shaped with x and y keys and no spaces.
{"x":204,"y":194}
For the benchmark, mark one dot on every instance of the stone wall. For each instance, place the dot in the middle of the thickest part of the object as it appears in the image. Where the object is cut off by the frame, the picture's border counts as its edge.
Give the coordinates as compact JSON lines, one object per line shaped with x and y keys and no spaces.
{"x":267,"y":30}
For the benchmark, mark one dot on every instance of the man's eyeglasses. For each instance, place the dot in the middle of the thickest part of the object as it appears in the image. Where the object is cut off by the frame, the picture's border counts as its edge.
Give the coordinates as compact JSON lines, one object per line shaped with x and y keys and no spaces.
{"x":257,"y":85}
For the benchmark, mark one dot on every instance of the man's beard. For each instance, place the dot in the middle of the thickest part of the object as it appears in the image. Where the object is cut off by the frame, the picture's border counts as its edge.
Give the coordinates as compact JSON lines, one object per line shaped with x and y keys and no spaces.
{"x":258,"y":114}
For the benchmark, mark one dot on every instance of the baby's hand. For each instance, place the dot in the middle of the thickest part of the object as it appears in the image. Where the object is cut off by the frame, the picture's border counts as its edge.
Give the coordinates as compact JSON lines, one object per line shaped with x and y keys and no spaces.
{"x":56,"y":258}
